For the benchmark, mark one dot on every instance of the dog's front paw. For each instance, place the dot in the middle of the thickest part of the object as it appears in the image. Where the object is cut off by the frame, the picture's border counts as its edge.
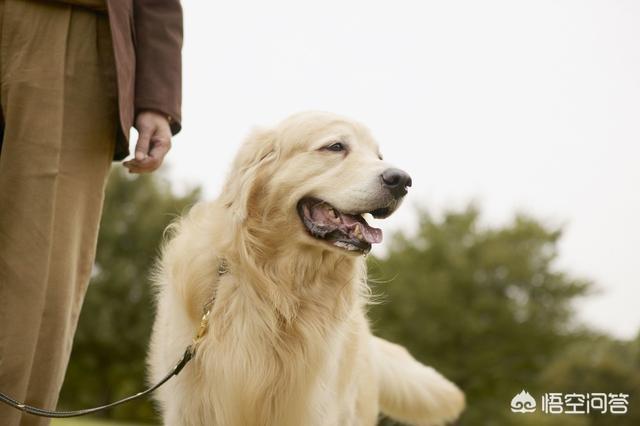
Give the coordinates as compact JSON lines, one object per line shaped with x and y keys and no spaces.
{"x":445,"y":400}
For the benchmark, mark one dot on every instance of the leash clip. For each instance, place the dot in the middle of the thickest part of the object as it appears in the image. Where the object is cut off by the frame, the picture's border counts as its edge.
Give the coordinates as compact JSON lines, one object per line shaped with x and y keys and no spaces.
{"x":204,"y":327}
{"x":223,"y":268}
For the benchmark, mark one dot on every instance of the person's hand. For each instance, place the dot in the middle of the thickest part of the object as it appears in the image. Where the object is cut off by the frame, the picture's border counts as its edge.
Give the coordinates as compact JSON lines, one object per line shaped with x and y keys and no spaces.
{"x":154,"y":141}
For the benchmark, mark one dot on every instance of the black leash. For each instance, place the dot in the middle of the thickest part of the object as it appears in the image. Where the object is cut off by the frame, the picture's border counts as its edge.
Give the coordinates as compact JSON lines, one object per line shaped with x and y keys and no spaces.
{"x":188,"y":355}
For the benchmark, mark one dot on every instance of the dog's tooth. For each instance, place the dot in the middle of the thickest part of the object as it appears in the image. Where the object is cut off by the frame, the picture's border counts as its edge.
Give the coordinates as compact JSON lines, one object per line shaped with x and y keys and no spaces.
{"x":357,"y":231}
{"x":336,"y":215}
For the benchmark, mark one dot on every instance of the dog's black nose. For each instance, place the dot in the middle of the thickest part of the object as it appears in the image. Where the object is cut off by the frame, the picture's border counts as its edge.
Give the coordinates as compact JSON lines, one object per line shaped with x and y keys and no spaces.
{"x":396,"y":181}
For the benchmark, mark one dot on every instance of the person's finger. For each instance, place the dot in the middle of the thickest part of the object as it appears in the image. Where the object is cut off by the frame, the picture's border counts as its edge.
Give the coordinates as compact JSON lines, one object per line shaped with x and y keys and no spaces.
{"x":142,"y":146}
{"x":153,"y":144}
{"x":159,"y":149}
{"x":135,"y":166}
{"x":134,"y":169}
{"x":140,"y":168}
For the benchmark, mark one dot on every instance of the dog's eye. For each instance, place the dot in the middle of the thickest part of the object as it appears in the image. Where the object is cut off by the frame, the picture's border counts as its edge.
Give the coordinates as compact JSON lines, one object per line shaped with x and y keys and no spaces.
{"x":336,"y":147}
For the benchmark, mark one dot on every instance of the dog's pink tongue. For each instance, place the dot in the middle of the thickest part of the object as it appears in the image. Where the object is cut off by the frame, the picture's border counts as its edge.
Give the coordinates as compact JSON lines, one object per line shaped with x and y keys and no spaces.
{"x":367,"y":233}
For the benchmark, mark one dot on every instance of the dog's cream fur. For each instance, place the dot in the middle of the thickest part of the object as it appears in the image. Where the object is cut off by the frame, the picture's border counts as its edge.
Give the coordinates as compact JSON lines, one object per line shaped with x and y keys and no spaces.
{"x":289,"y":343}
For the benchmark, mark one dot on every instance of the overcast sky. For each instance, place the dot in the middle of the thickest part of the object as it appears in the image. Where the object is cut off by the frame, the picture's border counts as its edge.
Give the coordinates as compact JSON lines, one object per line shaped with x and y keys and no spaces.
{"x":529,"y":106}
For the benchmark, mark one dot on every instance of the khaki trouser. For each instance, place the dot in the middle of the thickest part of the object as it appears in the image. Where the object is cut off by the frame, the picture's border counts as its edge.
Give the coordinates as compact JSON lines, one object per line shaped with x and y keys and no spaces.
{"x":59,"y":103}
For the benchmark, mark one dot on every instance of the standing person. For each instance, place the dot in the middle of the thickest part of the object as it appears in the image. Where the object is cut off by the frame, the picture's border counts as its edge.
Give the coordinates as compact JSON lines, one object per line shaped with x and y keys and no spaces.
{"x":75,"y":76}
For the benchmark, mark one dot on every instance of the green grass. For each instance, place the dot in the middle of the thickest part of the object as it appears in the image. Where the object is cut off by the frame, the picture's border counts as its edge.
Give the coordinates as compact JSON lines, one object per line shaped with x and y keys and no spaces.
{"x":91,"y":422}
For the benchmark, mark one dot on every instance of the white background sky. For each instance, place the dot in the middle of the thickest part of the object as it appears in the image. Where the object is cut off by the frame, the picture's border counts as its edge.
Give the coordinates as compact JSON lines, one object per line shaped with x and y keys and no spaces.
{"x":529,"y":106}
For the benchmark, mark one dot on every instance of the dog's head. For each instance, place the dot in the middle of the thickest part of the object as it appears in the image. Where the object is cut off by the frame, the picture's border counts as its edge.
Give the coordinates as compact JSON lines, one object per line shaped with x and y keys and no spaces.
{"x":309,"y":181}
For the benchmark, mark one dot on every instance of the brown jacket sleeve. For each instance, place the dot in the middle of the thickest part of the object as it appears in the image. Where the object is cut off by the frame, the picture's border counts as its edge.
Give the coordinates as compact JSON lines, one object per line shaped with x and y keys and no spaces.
{"x":158,"y":40}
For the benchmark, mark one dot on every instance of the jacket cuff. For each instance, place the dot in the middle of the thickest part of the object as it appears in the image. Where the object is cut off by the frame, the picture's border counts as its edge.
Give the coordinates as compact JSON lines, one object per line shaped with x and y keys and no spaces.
{"x":174,"y":119}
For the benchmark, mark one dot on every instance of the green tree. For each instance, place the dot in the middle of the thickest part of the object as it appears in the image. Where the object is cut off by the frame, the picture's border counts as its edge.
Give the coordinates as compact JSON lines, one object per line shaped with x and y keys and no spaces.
{"x":599,"y":364}
{"x":483,"y":305}
{"x":109,"y":351}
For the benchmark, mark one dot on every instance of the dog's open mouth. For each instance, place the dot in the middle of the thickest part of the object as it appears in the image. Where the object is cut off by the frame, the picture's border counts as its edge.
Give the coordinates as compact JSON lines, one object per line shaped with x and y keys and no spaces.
{"x":348,"y":231}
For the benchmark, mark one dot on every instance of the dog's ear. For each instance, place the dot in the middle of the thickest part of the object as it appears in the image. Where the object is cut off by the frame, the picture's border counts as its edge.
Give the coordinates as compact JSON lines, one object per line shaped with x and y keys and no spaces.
{"x":256,"y":155}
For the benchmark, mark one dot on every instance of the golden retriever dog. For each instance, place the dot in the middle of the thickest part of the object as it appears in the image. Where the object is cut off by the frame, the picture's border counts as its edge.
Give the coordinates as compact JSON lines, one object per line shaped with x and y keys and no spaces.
{"x":279,"y":261}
